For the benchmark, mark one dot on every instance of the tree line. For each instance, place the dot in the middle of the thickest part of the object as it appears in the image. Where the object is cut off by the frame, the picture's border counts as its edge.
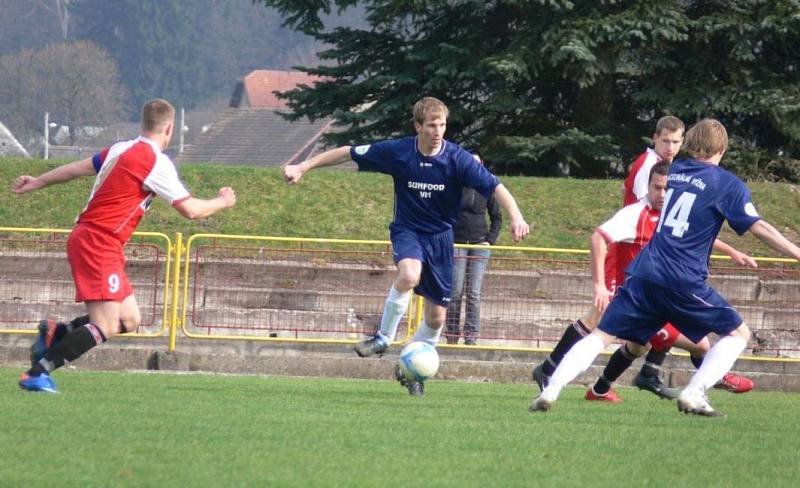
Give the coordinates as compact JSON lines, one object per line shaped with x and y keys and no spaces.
{"x":539,"y":87}
{"x":562,"y":87}
{"x":128,"y":51}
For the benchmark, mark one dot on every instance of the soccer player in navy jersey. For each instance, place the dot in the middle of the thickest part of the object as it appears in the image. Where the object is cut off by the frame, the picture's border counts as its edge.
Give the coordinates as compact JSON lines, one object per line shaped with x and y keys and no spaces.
{"x":429,"y":176}
{"x":667,"y":280}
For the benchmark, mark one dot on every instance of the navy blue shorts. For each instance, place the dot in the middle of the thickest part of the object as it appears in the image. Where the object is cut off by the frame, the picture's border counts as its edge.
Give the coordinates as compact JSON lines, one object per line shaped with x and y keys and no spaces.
{"x":435,"y":251}
{"x":641,"y":308}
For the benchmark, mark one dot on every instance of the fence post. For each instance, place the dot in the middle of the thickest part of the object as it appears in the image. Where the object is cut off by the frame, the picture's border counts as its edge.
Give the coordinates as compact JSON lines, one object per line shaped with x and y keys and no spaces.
{"x":176,"y":280}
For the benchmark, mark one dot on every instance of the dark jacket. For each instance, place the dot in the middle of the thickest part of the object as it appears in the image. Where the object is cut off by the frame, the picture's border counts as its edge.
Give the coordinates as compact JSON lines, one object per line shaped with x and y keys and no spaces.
{"x":471,"y":227}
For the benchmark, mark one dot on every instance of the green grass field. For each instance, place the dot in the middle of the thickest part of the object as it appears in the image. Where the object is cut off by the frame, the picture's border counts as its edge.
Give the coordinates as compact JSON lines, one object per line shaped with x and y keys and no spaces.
{"x":130,"y":429}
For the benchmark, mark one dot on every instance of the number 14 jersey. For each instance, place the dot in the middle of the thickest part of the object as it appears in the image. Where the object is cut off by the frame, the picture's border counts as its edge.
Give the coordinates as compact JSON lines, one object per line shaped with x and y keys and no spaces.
{"x":700,"y":196}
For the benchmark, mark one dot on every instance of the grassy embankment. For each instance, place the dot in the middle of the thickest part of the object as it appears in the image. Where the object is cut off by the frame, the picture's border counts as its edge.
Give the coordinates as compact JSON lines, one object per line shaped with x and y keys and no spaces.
{"x":343,"y":204}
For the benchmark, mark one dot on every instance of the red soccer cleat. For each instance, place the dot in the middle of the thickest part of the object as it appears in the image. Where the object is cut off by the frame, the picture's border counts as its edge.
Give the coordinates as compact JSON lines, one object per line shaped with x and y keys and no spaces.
{"x":735,"y":383}
{"x":610,"y":397}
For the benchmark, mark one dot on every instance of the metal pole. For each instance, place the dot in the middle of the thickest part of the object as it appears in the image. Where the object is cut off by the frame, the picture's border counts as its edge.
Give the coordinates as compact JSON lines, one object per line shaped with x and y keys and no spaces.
{"x":183,"y":124}
{"x":46,"y":135}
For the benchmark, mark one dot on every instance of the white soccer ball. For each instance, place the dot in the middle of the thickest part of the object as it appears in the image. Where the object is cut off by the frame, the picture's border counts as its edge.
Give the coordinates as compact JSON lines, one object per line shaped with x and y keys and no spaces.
{"x":419,"y":361}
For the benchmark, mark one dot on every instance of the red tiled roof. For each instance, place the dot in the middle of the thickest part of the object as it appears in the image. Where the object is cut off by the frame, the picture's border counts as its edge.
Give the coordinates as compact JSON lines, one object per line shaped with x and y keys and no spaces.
{"x":261,"y":83}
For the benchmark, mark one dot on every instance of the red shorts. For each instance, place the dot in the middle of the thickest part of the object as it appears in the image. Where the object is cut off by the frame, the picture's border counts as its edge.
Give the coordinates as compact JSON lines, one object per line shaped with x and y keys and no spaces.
{"x":664,"y":338}
{"x":98,"y":266}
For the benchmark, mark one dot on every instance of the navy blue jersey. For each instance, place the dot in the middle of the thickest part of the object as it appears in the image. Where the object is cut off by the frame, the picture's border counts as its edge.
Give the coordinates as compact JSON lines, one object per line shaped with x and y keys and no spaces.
{"x":427,"y":188}
{"x":699,"y":198}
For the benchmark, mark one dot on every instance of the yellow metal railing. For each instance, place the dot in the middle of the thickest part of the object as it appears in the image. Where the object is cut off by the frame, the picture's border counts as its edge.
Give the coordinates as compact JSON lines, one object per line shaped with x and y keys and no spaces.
{"x":413,"y":313}
{"x":166,"y":304}
{"x":178,"y":265}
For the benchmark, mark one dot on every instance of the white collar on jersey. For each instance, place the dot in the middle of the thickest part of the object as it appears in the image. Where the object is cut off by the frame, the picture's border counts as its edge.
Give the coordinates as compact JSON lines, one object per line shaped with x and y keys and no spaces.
{"x":654,"y":153}
{"x":440,"y":151}
{"x":152,"y":143}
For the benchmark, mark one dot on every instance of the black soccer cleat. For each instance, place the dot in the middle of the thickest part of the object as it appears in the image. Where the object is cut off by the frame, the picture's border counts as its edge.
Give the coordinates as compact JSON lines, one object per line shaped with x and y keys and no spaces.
{"x":540,"y":378}
{"x":654,"y":385}
{"x":373,"y":346}
{"x":416,"y":388}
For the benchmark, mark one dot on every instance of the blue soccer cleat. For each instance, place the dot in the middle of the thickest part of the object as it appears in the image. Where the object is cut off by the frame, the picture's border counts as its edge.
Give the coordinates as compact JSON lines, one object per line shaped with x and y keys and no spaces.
{"x":43,"y":342}
{"x":43,"y":382}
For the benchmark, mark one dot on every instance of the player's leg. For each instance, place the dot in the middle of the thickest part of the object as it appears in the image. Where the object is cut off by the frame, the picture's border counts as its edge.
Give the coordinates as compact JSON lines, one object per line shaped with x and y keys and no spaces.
{"x":435,"y":286}
{"x":129,"y":315}
{"x":430,"y":329}
{"x":731,"y":382}
{"x":698,"y":313}
{"x":51,"y":333}
{"x":572,"y":334}
{"x":103,"y":323}
{"x":577,"y":360}
{"x":649,"y":378}
{"x":620,"y":361}
{"x":453,"y":321}
{"x":630,"y":315}
{"x":476,"y":267}
{"x":408,"y":273}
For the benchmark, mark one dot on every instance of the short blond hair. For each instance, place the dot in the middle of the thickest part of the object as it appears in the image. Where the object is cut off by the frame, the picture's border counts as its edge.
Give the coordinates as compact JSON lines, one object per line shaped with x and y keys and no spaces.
{"x":429,"y":106}
{"x":669,"y":123}
{"x":156,"y":114}
{"x":706,"y":139}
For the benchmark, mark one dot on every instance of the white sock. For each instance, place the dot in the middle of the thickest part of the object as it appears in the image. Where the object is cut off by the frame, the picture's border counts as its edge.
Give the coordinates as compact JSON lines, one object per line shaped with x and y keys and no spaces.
{"x":393,"y":310}
{"x":425,"y":333}
{"x":717,"y":362}
{"x":576,"y":361}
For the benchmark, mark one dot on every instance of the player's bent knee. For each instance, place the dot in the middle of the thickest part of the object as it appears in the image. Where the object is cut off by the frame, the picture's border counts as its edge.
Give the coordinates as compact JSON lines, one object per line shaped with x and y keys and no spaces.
{"x":637,"y":350}
{"x":407,"y":281}
{"x":742,"y":331}
{"x":130,"y":321}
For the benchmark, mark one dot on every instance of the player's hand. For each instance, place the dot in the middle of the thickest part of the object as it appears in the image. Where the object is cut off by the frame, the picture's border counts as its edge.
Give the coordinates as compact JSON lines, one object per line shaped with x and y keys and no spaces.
{"x":601,"y":297}
{"x":743,"y":259}
{"x":228,"y":196}
{"x":292,"y":173}
{"x":25,"y":183}
{"x":519,"y":229}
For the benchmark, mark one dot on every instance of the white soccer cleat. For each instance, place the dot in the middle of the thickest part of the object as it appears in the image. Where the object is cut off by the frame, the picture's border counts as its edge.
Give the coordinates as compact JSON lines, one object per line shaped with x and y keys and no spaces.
{"x":696,"y":404}
{"x":541,"y":404}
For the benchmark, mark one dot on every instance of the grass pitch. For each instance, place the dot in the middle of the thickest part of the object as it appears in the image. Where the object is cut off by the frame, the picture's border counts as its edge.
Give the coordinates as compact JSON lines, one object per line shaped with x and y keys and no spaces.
{"x":131,"y":429}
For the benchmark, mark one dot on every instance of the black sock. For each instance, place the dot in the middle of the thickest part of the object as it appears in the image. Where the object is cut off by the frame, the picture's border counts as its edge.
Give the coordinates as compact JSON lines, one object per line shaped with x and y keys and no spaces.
{"x":619,"y":362}
{"x":72,"y":347}
{"x":575,"y":332}
{"x":79,"y":321}
{"x":653,"y":362}
{"x":62,"y":329}
{"x":697,"y":361}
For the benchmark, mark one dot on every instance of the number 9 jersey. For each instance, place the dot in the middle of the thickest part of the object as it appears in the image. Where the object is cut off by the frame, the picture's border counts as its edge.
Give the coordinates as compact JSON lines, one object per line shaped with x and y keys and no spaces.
{"x":700,"y":196}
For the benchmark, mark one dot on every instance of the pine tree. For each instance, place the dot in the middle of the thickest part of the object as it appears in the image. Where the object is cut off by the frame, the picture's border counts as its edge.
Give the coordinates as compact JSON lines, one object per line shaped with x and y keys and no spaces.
{"x":557,"y":86}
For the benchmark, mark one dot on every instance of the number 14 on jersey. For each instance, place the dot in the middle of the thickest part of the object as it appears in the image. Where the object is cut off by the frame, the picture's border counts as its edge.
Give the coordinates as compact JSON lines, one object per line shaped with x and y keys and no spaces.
{"x":677,"y":216}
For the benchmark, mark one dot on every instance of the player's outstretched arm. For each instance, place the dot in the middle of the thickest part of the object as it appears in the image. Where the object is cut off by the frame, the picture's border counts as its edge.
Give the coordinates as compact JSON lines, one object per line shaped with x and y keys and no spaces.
{"x":198,"y":208}
{"x":332,"y":157}
{"x":770,"y":236}
{"x":599,"y":249}
{"x":737,"y":257}
{"x":62,"y":174}
{"x":519,"y":228}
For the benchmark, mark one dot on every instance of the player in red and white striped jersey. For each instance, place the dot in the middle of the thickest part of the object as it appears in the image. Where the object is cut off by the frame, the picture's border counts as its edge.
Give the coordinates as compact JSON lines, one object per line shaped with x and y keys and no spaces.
{"x":128,"y":176}
{"x":667,"y":142}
